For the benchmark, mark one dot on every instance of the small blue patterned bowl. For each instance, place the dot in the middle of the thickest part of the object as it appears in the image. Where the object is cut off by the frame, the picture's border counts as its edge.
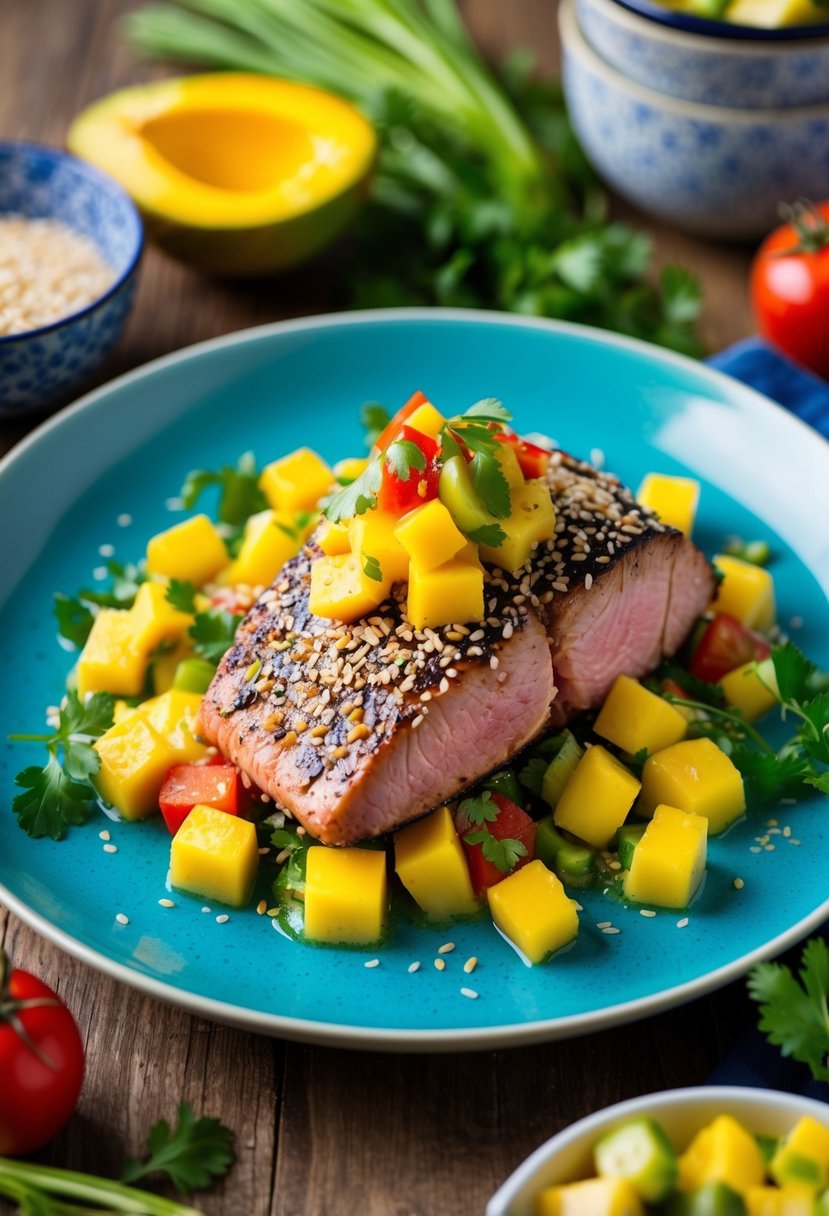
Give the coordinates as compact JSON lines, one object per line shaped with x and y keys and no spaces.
{"x":41,"y":365}
{"x":714,"y":71}
{"x":707,"y":169}
{"x":676,"y":19}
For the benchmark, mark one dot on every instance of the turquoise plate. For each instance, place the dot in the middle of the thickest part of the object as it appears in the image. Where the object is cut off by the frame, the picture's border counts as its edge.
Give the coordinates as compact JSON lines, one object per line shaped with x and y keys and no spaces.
{"x":119,"y":455}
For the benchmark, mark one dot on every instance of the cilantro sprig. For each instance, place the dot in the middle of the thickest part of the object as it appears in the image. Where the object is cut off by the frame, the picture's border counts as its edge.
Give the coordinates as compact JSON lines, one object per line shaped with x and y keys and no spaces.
{"x":481,"y":811}
{"x":291,"y":877}
{"x":794,"y":1010}
{"x":75,"y":614}
{"x":213,"y":633}
{"x":239,"y":494}
{"x":59,"y":794}
{"x":374,"y":418}
{"x":357,"y":497}
{"x":192,"y":1153}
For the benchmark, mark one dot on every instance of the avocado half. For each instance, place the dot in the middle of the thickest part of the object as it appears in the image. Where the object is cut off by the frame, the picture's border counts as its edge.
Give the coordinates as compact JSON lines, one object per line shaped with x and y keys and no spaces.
{"x":236,"y":173}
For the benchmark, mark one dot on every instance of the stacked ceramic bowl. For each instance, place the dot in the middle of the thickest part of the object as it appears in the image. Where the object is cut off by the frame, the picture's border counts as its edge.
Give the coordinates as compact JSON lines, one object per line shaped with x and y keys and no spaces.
{"x":705,"y":124}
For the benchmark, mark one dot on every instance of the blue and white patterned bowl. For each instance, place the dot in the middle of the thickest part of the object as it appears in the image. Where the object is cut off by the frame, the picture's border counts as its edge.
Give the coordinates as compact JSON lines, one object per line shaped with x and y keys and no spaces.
{"x":676,"y":18}
{"x":40,"y":365}
{"x":708,"y":169}
{"x":714,"y":71}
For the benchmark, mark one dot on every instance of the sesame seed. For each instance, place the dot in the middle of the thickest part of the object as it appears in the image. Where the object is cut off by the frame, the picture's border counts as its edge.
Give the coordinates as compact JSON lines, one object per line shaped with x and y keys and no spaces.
{"x":769,"y":848}
{"x":787,"y":831}
{"x":754,"y":848}
{"x":446,"y":948}
{"x":100,"y":572}
{"x":680,"y":924}
{"x":166,"y":903}
{"x":646,"y":912}
{"x":793,"y":841}
{"x":738,"y":884}
{"x":604,"y":924}
{"x":469,"y":993}
{"x":265,"y":849}
{"x":223,"y":919}
{"x":110,"y":848}
{"x":372,"y":962}
{"x":417,"y":721}
{"x":470,"y":965}
{"x":611,"y":929}
{"x":124,"y":520}
{"x":360,"y":731}
{"x":412,"y":967}
{"x":104,"y":835}
{"x":440,"y":965}
{"x":122,"y":920}
{"x":261,"y":907}
{"x":206,"y":909}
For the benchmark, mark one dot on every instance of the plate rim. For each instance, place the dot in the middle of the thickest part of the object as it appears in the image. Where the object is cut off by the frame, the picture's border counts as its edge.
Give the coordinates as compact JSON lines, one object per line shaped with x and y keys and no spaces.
{"x":382,"y":1038}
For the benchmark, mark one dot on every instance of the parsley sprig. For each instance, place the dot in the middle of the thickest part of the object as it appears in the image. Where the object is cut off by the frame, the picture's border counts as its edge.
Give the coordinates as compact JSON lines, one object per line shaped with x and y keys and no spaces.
{"x":59,"y":795}
{"x":75,"y":614}
{"x":191,"y":1154}
{"x":238,"y":490}
{"x":794,"y":1011}
{"x":482,"y":811}
{"x":291,"y":878}
{"x":213,"y":633}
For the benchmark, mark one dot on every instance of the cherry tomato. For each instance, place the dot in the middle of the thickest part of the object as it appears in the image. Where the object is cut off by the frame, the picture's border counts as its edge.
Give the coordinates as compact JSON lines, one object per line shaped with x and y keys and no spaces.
{"x":725,"y":644}
{"x":790,"y":287}
{"x":187,"y":785}
{"x":390,"y":432}
{"x":398,"y":495}
{"x":512,"y":823}
{"x":533,"y":460}
{"x":41,"y":1062}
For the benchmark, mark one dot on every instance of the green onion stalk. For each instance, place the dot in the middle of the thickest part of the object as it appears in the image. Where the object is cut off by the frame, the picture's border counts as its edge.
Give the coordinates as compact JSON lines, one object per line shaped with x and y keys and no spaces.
{"x":42,"y":1190}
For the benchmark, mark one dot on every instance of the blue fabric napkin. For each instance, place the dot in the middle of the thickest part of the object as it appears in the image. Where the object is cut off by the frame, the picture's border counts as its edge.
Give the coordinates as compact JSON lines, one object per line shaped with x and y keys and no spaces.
{"x":754,"y":1062}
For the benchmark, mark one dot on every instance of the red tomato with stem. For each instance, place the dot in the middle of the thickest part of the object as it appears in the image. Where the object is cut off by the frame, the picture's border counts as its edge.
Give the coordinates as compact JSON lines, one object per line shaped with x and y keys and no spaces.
{"x":726,"y":643}
{"x":41,"y":1062}
{"x":790,"y":287}
{"x":511,"y":824}
{"x":401,"y":494}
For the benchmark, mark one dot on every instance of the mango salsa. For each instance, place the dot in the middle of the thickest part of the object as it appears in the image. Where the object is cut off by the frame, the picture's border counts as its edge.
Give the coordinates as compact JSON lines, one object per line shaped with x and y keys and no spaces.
{"x":372,"y":535}
{"x":154,"y":619}
{"x":296,"y":482}
{"x":722,"y":1152}
{"x":779,"y":1201}
{"x":669,"y":861}
{"x":110,"y":661}
{"x":532,"y":520}
{"x":333,"y":538}
{"x":270,"y":539}
{"x":192,"y":551}
{"x":215,"y":855}
{"x":341,"y":589}
{"x":695,"y":776}
{"x":595,"y":801}
{"x":533,"y":910}
{"x":752,"y":688}
{"x":165,"y":666}
{"x":451,"y":592}
{"x":673,"y":499}
{"x":350,"y":468}
{"x":429,"y":535}
{"x":593,"y":1197}
{"x":345,"y":895}
{"x":430,"y":862}
{"x":427,"y":420}
{"x":803,"y":1157}
{"x":634,"y":718}
{"x":746,"y":592}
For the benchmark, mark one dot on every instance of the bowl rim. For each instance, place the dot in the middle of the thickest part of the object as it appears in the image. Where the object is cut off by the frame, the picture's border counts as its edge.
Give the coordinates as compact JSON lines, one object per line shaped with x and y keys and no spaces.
{"x":574,"y":42}
{"x":97,"y":177}
{"x":632,"y":13}
{"x":726,"y":31}
{"x":652,"y":1104}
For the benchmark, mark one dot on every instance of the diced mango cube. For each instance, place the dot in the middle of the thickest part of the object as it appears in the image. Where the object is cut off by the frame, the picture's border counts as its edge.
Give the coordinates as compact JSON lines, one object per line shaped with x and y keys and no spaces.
{"x":430,"y":862}
{"x":173,"y":716}
{"x":350,"y":468}
{"x":451,"y":592}
{"x":722,"y":1152}
{"x":341,"y":589}
{"x":215,"y":855}
{"x":746,"y":592}
{"x":134,"y":762}
{"x":427,"y":420}
{"x":372,"y":535}
{"x":694,"y":775}
{"x":154,"y":619}
{"x":533,"y":910}
{"x":634,"y":718}
{"x":803,"y":1157}
{"x":296,"y":482}
{"x":430,"y":536}
{"x":669,"y":861}
{"x":506,"y":456}
{"x":192,"y":551}
{"x":345,"y":895}
{"x":752,"y":688}
{"x":110,"y":661}
{"x":774,"y":14}
{"x":595,"y":801}
{"x":593,"y":1197}
{"x":673,"y":499}
{"x":779,"y":1201}
{"x":333,"y":538}
{"x":270,"y":539}
{"x":532,"y":519}
{"x":121,"y":711}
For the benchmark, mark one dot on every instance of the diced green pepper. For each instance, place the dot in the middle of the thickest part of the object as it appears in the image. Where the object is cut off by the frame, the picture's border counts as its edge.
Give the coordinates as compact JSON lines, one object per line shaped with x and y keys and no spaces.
{"x":768,"y":1146}
{"x":575,"y":865}
{"x":712,"y":1199}
{"x":505,"y":782}
{"x":560,"y":769}
{"x":626,"y":841}
{"x":457,"y":494}
{"x":640,"y":1152}
{"x":548,"y":841}
{"x":194,"y":675}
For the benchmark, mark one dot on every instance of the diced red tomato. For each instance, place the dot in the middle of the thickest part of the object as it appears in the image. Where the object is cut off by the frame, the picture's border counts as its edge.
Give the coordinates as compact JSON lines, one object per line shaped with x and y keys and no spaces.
{"x":398,"y":496}
{"x":533,"y":460}
{"x":726,"y":643}
{"x":399,"y":418}
{"x":188,"y":785}
{"x":512,"y":824}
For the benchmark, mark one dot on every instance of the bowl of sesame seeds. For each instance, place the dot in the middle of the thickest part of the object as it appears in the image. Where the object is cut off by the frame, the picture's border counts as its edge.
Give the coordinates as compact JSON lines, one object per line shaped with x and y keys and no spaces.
{"x":70,"y":245}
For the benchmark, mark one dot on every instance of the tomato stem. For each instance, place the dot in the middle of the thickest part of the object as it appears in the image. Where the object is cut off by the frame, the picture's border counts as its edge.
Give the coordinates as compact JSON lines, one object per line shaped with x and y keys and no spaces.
{"x":810,"y":226}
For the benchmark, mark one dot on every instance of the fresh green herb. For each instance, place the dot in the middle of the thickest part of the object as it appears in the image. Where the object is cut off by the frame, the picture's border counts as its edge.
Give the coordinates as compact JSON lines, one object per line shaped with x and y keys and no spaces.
{"x":192,"y":1154}
{"x":489,"y":409}
{"x":239,"y":494}
{"x":75,"y":614}
{"x":291,"y":877}
{"x":371,"y":568}
{"x":75,"y":619}
{"x":491,"y":486}
{"x":794,"y":1014}
{"x":403,"y":456}
{"x":481,"y":197}
{"x":541,"y":754}
{"x":375,"y":418}
{"x":213,"y":633}
{"x":357,"y":498}
{"x":296,"y":530}
{"x":492,"y":535}
{"x":181,"y":595}
{"x":758,"y":552}
{"x":59,"y":794}
{"x":481,"y":810}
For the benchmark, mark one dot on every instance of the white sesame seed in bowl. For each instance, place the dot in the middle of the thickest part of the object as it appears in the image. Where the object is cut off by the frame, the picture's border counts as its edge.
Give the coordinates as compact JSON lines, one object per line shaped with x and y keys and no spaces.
{"x":70,"y":245}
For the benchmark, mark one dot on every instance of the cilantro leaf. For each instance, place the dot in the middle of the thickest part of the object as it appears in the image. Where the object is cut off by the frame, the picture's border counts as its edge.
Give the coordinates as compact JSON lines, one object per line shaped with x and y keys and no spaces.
{"x":531,"y":775}
{"x":374,"y":418}
{"x":681,"y":295}
{"x":794,"y":1015}
{"x":491,"y":486}
{"x":479,"y":810}
{"x":238,"y":486}
{"x":504,"y":854}
{"x":291,"y":877}
{"x":404,"y":455}
{"x":358,"y":497}
{"x":192,"y":1153}
{"x":371,"y":568}
{"x":51,"y":800}
{"x":127,"y":577}
{"x":74,"y":618}
{"x":492,"y":535}
{"x":814,"y":733}
{"x":181,"y":595}
{"x":793,"y":671}
{"x":490,"y":409}
{"x":213,"y":633}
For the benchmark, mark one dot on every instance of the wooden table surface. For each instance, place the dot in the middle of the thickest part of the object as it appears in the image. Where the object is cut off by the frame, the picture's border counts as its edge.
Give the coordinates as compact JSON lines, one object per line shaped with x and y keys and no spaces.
{"x":321,"y":1132}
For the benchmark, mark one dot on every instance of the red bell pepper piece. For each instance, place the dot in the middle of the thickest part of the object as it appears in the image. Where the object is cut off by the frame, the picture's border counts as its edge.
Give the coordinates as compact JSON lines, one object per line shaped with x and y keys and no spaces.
{"x":726,"y":643}
{"x":390,"y":432}
{"x":534,"y":461}
{"x":188,"y":785}
{"x":398,"y":495}
{"x":511,"y":824}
